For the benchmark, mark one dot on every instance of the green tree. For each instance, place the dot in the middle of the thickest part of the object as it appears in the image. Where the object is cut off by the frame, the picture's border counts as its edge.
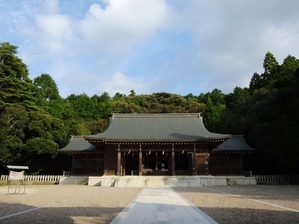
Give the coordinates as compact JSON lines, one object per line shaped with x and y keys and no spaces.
{"x":269,"y":116}
{"x":265,"y":80}
{"x":15,"y":85}
{"x":132,"y":93}
{"x":44,"y":135}
{"x":118,"y":96}
{"x":287,"y":107}
{"x":82,"y":105}
{"x":193,"y":106}
{"x":47,"y":95}
{"x":237,"y":97}
{"x":256,"y":83}
{"x":13,"y":121}
{"x":216,"y":96}
{"x":43,"y":125}
{"x":39,"y":154}
{"x":102,"y":106}
{"x":270,"y":66}
{"x":211,"y":116}
{"x":74,"y":125}
{"x":46,"y":89}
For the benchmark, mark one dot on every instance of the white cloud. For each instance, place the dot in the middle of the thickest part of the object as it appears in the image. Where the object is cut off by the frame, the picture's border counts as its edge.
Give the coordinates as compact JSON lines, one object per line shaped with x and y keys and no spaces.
{"x":54,"y":31}
{"x":51,"y":6}
{"x":282,"y":40}
{"x":149,"y":45}
{"x":122,"y":24}
{"x":121,"y":83}
{"x":231,"y":38}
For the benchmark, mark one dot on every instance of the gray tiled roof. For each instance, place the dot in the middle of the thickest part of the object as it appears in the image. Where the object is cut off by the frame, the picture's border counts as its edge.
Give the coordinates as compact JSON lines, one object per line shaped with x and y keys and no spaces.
{"x":77,"y":143}
{"x":235,"y":143}
{"x":157,"y":127}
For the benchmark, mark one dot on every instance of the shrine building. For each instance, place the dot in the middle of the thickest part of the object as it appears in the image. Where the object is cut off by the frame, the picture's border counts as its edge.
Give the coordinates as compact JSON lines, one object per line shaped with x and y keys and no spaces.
{"x":156,"y":144}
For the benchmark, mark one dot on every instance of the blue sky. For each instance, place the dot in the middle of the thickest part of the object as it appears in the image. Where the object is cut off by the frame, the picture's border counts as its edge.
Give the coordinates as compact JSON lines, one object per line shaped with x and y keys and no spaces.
{"x":149,"y":46}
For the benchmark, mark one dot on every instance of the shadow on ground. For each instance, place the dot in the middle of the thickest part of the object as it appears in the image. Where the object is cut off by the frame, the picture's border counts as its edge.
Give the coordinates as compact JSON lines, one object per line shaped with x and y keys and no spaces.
{"x":71,"y":215}
{"x":20,"y":213}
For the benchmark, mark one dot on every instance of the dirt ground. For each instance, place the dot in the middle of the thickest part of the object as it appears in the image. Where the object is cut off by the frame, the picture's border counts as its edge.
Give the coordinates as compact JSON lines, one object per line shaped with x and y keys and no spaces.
{"x":64,"y":204}
{"x":247,"y":204}
{"x":90,"y":204}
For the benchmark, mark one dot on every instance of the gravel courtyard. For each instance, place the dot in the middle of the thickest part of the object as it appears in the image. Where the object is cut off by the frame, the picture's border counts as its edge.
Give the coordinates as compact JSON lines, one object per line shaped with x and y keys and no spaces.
{"x":89,"y":204}
{"x":247,"y":204}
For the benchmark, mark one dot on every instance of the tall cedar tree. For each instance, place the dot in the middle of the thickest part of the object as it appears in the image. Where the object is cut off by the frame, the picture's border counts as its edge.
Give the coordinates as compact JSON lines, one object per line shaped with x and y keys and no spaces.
{"x":15,"y":85}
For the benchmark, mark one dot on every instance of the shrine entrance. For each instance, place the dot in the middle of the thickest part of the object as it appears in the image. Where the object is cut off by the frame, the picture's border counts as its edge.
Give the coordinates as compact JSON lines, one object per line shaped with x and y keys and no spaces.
{"x":131,"y":163}
{"x":157,"y":163}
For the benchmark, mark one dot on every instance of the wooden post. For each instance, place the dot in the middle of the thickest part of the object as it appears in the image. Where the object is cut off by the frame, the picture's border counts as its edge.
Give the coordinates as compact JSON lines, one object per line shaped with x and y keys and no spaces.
{"x":123,"y":165}
{"x":140,"y":161}
{"x":172,"y":161}
{"x":208,"y":163}
{"x":73,"y":162}
{"x":118,"y":160}
{"x":228,"y":165}
{"x":156,"y":159}
{"x":241,"y":165}
{"x":194,"y":161}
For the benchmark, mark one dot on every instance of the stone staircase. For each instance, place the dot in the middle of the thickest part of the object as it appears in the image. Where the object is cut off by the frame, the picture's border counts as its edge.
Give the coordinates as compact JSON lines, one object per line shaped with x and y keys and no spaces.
{"x":169,"y":181}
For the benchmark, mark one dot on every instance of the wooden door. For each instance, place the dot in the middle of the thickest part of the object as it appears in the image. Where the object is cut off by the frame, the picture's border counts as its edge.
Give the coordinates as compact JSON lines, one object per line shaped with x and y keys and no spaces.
{"x":202,"y":165}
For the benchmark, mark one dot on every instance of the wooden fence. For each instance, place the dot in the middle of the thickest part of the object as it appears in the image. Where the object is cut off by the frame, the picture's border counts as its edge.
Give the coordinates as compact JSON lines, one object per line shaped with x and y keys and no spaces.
{"x":277,"y":178}
{"x":37,"y":178}
{"x":258,"y":178}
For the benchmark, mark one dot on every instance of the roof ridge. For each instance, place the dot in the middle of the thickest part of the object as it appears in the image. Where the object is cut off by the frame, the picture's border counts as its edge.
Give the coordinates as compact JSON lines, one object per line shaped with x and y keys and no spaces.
{"x":150,"y":115}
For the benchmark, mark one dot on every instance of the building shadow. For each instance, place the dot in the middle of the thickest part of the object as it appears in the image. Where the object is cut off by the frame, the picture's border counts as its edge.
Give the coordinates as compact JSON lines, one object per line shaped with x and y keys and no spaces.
{"x":24,"y":214}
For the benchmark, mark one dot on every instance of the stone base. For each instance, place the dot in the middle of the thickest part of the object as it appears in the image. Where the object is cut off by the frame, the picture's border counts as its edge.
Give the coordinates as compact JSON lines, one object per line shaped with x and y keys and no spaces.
{"x":170,"y":181}
{"x":75,"y":180}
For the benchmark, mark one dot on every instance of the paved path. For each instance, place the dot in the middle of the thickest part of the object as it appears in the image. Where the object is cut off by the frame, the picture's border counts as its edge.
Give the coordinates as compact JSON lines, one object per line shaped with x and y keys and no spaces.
{"x":161,"y":205}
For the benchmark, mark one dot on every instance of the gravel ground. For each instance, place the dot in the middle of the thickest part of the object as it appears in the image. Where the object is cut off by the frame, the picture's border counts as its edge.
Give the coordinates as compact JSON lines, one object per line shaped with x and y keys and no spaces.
{"x":65,"y":204}
{"x":89,"y":204}
{"x":246,"y":204}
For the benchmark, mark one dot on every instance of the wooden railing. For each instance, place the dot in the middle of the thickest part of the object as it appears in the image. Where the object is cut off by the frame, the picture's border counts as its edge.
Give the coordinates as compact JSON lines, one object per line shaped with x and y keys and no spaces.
{"x":277,"y":178}
{"x":36,"y":178}
{"x":258,"y":178}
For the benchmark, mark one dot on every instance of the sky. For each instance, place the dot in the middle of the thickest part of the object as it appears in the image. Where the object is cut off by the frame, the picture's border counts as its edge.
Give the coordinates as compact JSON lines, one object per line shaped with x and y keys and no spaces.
{"x":149,"y":46}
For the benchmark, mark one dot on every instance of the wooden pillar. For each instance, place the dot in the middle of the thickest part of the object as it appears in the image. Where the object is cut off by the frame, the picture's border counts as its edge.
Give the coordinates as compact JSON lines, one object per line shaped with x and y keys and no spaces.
{"x":73,"y":162}
{"x":123,"y":164}
{"x":118,"y":160}
{"x":228,"y":165}
{"x":194,"y":163}
{"x":208,"y":163}
{"x":140,"y":161}
{"x":172,"y":161}
{"x":156,"y":159}
{"x":241,"y":165}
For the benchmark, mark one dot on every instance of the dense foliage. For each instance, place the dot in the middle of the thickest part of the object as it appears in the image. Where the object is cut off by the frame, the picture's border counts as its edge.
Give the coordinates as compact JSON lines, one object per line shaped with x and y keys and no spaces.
{"x":35,"y":120}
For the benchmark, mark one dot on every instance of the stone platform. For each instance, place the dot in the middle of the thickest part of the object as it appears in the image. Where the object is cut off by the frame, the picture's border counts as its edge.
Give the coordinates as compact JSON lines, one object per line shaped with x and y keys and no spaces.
{"x":169,"y":181}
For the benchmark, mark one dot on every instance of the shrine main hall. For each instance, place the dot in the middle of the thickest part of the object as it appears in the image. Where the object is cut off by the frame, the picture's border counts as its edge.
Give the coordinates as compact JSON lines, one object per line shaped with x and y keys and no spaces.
{"x":156,"y":145}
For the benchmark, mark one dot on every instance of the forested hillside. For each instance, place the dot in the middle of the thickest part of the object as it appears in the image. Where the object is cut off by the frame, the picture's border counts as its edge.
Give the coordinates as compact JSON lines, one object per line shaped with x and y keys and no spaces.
{"x":35,"y":120}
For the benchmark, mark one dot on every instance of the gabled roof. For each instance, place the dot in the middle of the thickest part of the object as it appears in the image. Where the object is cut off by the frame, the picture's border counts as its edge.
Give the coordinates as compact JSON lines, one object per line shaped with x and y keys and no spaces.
{"x":235,"y":144}
{"x":77,"y":144}
{"x":13,"y":167}
{"x":174,"y":127}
